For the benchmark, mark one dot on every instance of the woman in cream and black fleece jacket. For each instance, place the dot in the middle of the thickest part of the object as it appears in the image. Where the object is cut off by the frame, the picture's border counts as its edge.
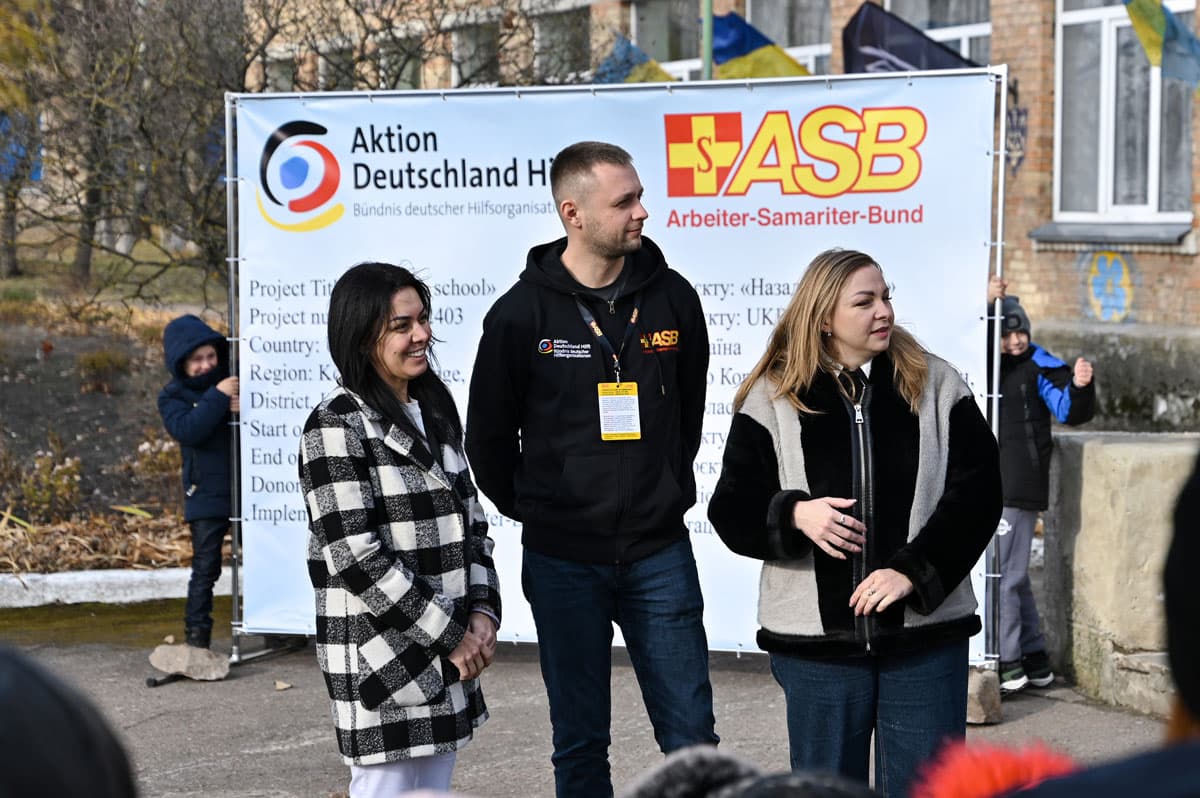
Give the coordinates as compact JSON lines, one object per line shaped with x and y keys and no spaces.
{"x":859,"y":469}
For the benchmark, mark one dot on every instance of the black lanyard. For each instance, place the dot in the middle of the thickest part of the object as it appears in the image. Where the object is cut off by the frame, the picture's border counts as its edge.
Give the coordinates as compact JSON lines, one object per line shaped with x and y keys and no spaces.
{"x":605,"y":344}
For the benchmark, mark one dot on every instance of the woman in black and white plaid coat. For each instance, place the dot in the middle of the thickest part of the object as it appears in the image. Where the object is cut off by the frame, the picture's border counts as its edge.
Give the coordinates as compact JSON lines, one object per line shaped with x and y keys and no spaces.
{"x":407,"y":599}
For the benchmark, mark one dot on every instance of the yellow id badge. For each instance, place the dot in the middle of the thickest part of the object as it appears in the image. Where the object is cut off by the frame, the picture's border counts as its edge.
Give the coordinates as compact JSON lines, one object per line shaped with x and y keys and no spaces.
{"x":620,"y":418}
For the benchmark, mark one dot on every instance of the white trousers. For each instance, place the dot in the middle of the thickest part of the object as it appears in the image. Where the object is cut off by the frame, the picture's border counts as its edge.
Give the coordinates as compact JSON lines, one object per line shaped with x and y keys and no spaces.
{"x":390,"y":779}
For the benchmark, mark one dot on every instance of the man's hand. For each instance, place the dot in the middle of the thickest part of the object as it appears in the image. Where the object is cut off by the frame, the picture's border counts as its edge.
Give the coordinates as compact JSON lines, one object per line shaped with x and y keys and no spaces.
{"x":1083,"y":373}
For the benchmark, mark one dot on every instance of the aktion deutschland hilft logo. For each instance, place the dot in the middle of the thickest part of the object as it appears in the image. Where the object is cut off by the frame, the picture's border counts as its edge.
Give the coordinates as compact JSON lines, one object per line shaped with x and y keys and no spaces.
{"x":306,"y":178}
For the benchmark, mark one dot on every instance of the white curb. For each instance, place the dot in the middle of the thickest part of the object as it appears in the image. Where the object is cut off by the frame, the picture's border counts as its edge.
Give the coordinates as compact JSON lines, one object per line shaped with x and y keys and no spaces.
{"x":117,"y":586}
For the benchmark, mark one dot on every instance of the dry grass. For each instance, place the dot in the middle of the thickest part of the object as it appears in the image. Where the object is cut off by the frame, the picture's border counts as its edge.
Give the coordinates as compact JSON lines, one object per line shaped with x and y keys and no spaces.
{"x":99,"y":542}
{"x":45,"y":299}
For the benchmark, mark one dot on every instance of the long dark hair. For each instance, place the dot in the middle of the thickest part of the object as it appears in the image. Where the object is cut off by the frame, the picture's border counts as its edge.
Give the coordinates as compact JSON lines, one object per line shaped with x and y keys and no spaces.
{"x":359,"y":307}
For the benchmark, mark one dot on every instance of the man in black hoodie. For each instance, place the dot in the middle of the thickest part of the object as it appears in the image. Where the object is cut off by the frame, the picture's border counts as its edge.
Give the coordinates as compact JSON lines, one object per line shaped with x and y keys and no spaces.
{"x":584,"y":420}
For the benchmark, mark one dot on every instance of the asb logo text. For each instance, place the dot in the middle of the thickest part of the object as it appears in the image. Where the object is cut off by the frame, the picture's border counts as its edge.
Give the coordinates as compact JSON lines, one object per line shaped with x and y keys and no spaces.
{"x":833,"y":150}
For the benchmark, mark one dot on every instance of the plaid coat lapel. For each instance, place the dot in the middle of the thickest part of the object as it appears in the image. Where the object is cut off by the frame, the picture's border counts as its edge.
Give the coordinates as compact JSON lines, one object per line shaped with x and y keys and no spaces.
{"x":408,"y":447}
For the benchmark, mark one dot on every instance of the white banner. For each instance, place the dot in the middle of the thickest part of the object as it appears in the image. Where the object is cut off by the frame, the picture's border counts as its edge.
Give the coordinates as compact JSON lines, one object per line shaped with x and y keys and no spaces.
{"x":745,"y":183}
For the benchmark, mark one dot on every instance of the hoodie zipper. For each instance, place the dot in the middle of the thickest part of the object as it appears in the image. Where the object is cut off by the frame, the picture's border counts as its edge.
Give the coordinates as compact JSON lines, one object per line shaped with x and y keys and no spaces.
{"x":864,"y":493}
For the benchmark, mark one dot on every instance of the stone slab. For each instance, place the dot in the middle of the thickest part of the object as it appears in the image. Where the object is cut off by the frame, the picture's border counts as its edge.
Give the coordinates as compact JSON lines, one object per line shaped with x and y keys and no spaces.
{"x":1106,"y":536}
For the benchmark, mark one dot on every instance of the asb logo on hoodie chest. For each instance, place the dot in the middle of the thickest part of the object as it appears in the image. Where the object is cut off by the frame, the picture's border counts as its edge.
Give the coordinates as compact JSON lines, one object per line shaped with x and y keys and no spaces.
{"x":660,"y":341}
{"x":562,"y":348}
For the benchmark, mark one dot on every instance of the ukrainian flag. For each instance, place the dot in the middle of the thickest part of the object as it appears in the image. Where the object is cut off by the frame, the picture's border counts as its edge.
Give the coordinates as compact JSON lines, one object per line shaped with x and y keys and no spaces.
{"x":741,"y":51}
{"x":628,"y":63}
{"x":1167,"y":43}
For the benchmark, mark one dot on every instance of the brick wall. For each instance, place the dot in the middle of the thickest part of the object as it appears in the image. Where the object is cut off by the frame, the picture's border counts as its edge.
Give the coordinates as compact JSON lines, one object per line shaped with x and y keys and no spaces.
{"x":1145,"y":356}
{"x":1054,"y":285}
{"x":1023,"y":38}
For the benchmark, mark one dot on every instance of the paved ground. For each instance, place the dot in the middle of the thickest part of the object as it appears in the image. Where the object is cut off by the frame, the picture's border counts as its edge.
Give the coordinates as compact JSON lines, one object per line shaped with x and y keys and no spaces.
{"x":246,"y":737}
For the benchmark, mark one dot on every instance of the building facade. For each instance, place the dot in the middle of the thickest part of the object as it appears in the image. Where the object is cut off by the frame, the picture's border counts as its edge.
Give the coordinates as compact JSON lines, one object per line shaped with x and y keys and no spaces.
{"x":1100,"y":190}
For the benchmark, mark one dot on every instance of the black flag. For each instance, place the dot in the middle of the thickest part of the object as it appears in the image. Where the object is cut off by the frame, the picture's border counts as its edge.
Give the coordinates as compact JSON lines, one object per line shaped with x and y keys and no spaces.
{"x":875,"y":40}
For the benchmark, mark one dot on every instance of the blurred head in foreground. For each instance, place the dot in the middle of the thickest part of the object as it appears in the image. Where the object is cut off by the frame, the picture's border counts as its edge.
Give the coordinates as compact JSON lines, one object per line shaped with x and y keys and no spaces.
{"x":54,"y":740}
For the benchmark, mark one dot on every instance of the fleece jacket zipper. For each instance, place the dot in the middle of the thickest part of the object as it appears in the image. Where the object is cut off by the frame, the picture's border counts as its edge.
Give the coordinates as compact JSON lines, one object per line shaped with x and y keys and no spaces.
{"x":864,"y":494}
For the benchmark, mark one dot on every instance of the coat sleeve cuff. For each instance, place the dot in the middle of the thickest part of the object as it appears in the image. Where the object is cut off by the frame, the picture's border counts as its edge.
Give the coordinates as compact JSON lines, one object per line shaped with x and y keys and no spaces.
{"x":783,"y":539}
{"x":484,"y":609}
{"x":928,"y":591}
{"x":454,"y":632}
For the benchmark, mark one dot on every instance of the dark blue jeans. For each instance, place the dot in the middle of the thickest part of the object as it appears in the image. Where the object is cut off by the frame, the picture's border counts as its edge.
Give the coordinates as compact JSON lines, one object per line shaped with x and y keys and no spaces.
{"x":913,"y":702}
{"x":207,"y":536}
{"x":657,"y":604}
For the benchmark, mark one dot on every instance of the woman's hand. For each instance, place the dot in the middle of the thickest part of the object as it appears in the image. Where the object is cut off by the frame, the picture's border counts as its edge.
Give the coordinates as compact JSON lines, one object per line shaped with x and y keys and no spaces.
{"x":482,"y":625}
{"x":471,"y":655}
{"x":829,"y":528}
{"x":880,"y":590}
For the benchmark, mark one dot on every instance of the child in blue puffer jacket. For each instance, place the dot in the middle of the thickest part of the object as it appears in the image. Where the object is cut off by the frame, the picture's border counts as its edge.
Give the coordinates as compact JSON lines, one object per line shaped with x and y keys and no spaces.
{"x":196,"y":407}
{"x":1035,"y":388}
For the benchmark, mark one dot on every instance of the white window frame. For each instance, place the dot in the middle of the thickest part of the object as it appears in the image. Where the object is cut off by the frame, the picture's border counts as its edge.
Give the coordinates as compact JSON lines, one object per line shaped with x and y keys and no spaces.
{"x":1112,"y":19}
{"x":634,"y":35}
{"x":809,"y":53}
{"x":806,"y":54}
{"x":690,"y":68}
{"x":750,"y":14}
{"x":956,"y":37}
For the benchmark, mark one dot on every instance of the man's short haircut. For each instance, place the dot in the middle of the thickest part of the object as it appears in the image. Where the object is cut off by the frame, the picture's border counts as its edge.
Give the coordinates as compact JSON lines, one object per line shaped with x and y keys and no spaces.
{"x":575,"y":162}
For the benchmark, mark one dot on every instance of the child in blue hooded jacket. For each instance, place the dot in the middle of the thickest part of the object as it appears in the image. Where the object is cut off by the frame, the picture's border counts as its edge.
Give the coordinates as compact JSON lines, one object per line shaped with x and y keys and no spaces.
{"x":1035,"y":387}
{"x":195,"y":407}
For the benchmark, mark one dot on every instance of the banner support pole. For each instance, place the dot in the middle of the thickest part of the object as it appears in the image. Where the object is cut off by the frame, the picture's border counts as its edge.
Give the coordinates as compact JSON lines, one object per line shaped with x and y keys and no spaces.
{"x":991,"y":638}
{"x":231,"y":278}
{"x":706,"y":39}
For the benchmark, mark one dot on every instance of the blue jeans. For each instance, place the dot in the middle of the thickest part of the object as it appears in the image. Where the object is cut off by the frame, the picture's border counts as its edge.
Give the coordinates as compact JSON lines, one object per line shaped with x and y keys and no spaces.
{"x":913,"y":702}
{"x":657,"y":603}
{"x":207,"y":536}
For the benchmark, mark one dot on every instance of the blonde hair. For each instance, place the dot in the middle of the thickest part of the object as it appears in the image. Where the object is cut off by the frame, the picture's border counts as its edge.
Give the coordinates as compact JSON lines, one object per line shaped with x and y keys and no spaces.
{"x":797,"y":351}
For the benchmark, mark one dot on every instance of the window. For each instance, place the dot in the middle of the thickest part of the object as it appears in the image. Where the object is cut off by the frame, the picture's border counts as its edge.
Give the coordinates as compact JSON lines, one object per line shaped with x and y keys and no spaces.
{"x":1123,"y":148}
{"x":802,"y":27}
{"x":477,"y":55}
{"x":790,"y":23}
{"x":336,"y":70}
{"x":669,"y":30}
{"x":930,"y":14}
{"x":563,"y":43}
{"x":279,"y":74}
{"x":398,"y":63}
{"x":963,"y":25}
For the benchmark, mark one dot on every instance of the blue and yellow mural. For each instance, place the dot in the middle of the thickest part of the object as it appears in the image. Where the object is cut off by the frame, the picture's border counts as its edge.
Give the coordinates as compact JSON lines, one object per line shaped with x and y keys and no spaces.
{"x":1109,"y":286}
